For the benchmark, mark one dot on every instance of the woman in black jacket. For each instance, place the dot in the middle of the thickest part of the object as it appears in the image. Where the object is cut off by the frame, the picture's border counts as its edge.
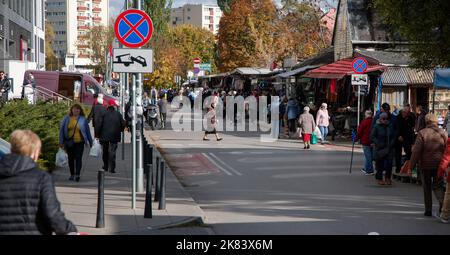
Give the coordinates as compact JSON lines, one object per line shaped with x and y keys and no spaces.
{"x":28,"y":203}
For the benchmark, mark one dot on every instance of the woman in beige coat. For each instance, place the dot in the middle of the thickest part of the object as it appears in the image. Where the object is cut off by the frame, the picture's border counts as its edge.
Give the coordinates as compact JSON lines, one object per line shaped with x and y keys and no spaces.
{"x":307,"y":125}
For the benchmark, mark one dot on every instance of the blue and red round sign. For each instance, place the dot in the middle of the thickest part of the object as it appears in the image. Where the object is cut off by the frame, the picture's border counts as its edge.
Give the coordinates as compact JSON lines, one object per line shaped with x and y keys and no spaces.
{"x":360,"y":65}
{"x":133,"y":28}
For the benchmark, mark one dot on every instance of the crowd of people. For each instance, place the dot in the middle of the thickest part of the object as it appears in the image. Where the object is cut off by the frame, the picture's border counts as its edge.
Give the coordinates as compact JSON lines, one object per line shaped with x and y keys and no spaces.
{"x":386,"y":136}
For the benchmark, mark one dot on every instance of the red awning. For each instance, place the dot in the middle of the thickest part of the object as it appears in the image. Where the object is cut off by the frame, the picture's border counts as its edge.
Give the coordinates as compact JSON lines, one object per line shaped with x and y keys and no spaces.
{"x":339,"y":70}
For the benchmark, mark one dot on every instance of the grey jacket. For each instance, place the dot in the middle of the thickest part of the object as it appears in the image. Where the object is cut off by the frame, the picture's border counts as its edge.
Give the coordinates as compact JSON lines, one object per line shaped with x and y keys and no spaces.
{"x":307,"y":123}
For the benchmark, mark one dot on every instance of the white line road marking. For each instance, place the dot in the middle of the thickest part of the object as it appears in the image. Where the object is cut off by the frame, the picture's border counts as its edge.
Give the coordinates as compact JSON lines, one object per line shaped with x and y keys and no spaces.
{"x":225,"y":164}
{"x":218,"y":166}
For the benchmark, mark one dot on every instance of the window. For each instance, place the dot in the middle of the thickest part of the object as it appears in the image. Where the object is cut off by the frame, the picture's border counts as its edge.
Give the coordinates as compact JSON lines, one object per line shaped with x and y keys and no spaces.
{"x":91,"y":88}
{"x":189,"y":18}
{"x":41,"y":45}
{"x":206,"y":17}
{"x":189,"y":9}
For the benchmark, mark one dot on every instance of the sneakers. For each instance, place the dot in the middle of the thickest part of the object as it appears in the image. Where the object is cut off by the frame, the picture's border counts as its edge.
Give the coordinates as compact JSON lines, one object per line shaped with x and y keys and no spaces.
{"x":443,"y":220}
{"x":220,"y":139}
{"x":113,"y":171}
{"x":77,"y":179}
{"x":71,"y":178}
{"x":428,"y":214}
{"x":367,"y":173}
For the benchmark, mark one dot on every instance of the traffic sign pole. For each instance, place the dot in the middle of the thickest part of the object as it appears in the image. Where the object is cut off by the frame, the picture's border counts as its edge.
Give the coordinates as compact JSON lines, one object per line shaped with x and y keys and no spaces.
{"x":139,"y":133}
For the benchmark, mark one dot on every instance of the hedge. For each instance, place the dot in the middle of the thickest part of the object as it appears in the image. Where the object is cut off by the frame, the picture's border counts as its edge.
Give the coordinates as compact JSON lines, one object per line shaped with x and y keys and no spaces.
{"x":43,"y":118}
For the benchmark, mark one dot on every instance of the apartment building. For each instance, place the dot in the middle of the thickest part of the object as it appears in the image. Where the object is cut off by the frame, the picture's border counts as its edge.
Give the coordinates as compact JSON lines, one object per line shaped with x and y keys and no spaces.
{"x":71,"y":20}
{"x":199,"y":15}
{"x":22,"y":39}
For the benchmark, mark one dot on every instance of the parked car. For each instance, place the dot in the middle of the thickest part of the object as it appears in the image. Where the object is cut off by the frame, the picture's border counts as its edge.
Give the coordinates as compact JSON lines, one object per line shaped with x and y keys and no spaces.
{"x":5,"y":148}
{"x":75,"y":86}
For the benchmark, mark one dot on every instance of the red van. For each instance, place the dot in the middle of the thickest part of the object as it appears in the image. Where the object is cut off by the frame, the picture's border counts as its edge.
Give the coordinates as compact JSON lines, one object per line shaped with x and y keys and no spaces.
{"x":75,"y":86}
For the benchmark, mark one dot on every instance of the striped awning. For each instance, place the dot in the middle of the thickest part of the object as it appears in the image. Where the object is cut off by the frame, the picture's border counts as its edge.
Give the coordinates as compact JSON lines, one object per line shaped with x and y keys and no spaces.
{"x":339,"y":70}
{"x":395,"y":76}
{"x":419,"y":76}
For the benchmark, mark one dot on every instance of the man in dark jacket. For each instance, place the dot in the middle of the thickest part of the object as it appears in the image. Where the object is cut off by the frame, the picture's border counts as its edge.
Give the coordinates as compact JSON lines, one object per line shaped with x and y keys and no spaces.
{"x":109,"y":129}
{"x":420,"y":121}
{"x":28,"y":203}
{"x":97,"y":112}
{"x":406,"y":121}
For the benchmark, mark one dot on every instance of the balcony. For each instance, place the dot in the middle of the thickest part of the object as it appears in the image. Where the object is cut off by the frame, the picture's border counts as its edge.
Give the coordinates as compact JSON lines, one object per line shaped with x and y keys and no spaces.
{"x":98,"y":19}
{"x":83,"y":46}
{"x":83,"y":55}
{"x":96,"y":9}
{"x":82,"y":8}
{"x":82,"y":18}
{"x":83,"y":27}
{"x":97,"y":1}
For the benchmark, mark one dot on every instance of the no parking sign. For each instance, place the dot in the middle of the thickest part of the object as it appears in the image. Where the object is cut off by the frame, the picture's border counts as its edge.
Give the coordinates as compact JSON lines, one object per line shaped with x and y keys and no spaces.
{"x":133,"y":28}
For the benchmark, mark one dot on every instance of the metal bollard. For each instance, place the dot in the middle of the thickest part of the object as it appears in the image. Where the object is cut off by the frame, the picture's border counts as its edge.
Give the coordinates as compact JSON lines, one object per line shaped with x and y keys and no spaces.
{"x":148,"y":194}
{"x":157,"y":179}
{"x":101,"y":200}
{"x":162,"y":187}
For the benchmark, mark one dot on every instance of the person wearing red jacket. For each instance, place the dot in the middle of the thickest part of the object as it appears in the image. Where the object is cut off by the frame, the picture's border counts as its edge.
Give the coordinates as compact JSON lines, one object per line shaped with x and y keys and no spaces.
{"x":364,"y":135}
{"x":442,"y":170}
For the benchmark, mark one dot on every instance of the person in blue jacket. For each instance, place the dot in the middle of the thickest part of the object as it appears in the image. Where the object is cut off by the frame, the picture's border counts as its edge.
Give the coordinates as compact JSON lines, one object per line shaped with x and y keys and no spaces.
{"x":292,"y":113}
{"x":74,"y":133}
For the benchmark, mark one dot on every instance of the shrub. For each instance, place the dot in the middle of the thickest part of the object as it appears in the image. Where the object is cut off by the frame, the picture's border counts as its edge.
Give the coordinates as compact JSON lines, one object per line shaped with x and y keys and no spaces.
{"x":42,"y":118}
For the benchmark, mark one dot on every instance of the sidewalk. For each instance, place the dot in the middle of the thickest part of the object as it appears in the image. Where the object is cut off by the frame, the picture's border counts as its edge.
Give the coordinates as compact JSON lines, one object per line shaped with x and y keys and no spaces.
{"x":79,"y":199}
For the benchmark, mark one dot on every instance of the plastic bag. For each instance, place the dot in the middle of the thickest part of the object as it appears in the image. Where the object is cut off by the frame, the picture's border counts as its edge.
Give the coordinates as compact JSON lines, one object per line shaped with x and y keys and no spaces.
{"x":313,"y":139}
{"x":317,"y":133}
{"x":62,"y":160}
{"x":96,"y":149}
{"x":299,"y":132}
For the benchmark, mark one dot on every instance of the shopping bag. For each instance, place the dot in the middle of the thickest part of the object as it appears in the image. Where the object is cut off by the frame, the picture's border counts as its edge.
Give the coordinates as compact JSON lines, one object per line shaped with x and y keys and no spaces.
{"x":96,"y":149}
{"x":61,"y":160}
{"x":313,"y":139}
{"x":317,"y":133}
{"x":405,"y":169}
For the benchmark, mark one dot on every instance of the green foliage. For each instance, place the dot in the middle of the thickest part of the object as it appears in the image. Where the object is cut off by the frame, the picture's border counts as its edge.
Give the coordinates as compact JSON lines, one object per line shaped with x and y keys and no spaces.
{"x":225,"y":5}
{"x":425,"y":24}
{"x":43,"y":119}
{"x":159,"y":12}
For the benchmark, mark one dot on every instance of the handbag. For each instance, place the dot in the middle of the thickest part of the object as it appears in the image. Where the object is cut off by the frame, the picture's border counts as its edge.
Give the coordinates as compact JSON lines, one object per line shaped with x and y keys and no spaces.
{"x":70,"y":143}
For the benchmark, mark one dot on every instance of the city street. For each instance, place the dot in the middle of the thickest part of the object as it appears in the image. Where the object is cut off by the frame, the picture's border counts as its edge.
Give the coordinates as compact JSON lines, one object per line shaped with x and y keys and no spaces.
{"x":245,"y":186}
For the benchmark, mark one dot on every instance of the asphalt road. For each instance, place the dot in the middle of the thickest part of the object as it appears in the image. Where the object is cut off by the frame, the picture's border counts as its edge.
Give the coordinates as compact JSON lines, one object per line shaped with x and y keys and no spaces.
{"x":246,"y":186}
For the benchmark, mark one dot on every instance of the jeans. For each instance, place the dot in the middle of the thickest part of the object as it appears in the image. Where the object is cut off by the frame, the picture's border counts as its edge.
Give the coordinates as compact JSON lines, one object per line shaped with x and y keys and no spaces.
{"x":75,"y":155}
{"x":109,"y":156}
{"x":323,"y":132}
{"x":429,"y":184}
{"x":368,"y":165}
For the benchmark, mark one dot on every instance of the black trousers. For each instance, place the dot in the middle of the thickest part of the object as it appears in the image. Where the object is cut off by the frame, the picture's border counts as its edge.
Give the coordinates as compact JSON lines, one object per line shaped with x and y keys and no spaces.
{"x":398,"y":154}
{"x":430,"y":183}
{"x":292,"y":125}
{"x":383,"y":165}
{"x":75,"y":155}
{"x":109,"y":156}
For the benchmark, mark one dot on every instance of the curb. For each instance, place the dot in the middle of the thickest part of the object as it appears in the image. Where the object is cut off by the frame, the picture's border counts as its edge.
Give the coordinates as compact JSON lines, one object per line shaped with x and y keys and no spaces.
{"x":191,"y":221}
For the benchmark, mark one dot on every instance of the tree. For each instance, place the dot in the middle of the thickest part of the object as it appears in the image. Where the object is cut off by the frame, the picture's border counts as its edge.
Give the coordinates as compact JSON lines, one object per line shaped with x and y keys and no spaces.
{"x":51,"y":62}
{"x":425,"y":24}
{"x":300,"y":31}
{"x":225,"y":5}
{"x":246,"y":34}
{"x":177,"y":50}
{"x":159,"y":12}
{"x":96,"y":46}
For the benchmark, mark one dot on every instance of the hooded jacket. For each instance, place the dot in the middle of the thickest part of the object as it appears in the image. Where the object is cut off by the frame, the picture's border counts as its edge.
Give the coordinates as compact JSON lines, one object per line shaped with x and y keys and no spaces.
{"x":28,"y":203}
